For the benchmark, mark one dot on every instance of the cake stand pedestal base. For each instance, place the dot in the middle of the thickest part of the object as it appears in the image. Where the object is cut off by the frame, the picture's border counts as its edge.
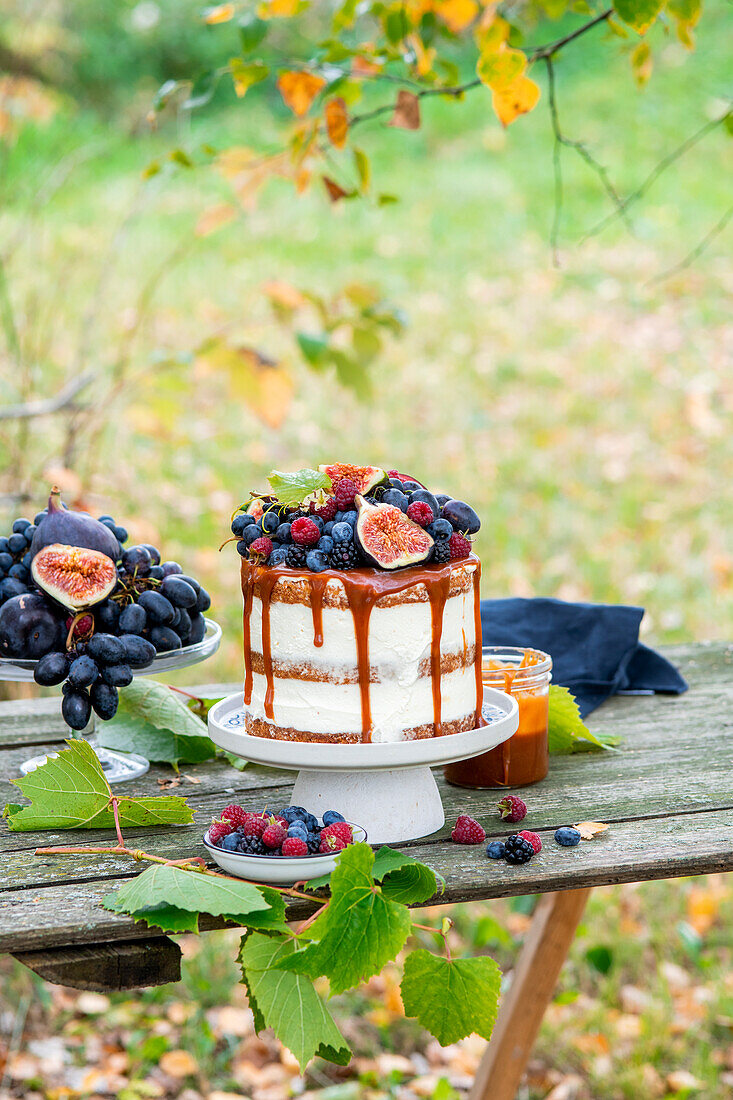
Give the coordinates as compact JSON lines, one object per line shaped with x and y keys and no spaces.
{"x":387,"y":788}
{"x":391,"y":805}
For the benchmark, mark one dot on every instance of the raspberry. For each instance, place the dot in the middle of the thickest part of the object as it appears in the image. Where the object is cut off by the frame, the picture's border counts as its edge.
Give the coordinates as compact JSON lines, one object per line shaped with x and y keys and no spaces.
{"x":533,"y":839}
{"x":326,"y":511}
{"x":261,"y":548}
{"x":459,"y":545}
{"x":218,"y":829}
{"x":304,"y":532}
{"x":441,"y":552}
{"x":344,"y":556}
{"x":467,"y":831}
{"x":340,"y":829}
{"x":331,"y":843}
{"x":234,"y":813}
{"x":296,"y":556}
{"x":517,"y":849}
{"x":254,"y":824}
{"x":294,"y":846}
{"x":274,"y":835}
{"x":420,"y":513}
{"x":344,"y":494}
{"x":512,"y":808}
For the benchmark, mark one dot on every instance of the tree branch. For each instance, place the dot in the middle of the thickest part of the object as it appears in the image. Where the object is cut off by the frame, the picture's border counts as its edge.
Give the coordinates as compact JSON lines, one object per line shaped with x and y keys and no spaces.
{"x":697,"y":250}
{"x":45,"y":407}
{"x":539,"y":53}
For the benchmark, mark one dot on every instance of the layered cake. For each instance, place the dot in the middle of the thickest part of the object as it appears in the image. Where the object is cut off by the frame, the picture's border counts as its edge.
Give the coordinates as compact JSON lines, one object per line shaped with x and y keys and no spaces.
{"x":361,"y":609}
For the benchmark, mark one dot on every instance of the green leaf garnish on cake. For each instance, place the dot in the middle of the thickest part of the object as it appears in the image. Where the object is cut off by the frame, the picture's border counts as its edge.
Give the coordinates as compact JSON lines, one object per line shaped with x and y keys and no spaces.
{"x":292,"y":488}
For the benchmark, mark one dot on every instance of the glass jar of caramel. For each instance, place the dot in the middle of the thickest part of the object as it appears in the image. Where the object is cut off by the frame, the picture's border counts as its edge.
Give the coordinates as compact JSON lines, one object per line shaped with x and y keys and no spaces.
{"x":524,"y":758}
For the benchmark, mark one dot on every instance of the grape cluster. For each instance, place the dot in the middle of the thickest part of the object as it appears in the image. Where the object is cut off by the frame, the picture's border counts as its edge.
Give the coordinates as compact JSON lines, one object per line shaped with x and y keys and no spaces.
{"x":154,"y":608}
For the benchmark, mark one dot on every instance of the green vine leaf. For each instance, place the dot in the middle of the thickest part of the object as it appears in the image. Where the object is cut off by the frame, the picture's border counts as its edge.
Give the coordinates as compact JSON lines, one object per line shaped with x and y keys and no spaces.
{"x":70,"y":791}
{"x":288,"y":1003}
{"x":568,"y":732}
{"x":403,"y":878}
{"x":452,"y":998}
{"x":292,"y":488}
{"x":361,"y":930}
{"x":163,"y":894}
{"x":156,"y":722}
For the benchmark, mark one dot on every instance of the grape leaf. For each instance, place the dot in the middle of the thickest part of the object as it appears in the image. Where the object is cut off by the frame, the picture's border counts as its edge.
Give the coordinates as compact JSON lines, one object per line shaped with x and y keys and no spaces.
{"x":288,"y":1003}
{"x":361,"y":930}
{"x":164,"y":892}
{"x":402,"y":877}
{"x":70,"y":791}
{"x":568,"y":732}
{"x":292,"y":488}
{"x":451,"y":997}
{"x":156,"y":722}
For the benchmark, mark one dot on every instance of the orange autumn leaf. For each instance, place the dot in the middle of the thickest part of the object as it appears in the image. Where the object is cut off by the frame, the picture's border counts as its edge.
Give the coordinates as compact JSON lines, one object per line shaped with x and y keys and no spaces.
{"x":337,"y":121}
{"x":299,"y":89}
{"x":457,"y":14}
{"x":214,"y":218}
{"x":179,"y":1063}
{"x":406,"y":112}
{"x":335,"y":190}
{"x":283,"y":294}
{"x":516,"y":99}
{"x":703,"y":904}
{"x":589,"y":829}
{"x":222,"y":13}
{"x":278,"y":9}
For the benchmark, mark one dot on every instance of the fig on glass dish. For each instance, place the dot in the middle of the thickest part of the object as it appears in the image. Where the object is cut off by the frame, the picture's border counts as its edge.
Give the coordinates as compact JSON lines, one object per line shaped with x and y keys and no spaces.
{"x":61,"y":525}
{"x":387,"y":538}
{"x":74,"y":576}
{"x":365,"y":478}
{"x":29,"y":627}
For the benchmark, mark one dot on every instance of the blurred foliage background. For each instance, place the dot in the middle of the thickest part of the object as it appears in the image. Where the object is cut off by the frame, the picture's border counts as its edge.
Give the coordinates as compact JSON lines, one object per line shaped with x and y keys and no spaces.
{"x":584,"y":408}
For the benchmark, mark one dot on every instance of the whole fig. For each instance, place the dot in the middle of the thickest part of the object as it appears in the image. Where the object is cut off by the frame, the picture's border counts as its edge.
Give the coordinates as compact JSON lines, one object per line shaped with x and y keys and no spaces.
{"x":61,"y":525}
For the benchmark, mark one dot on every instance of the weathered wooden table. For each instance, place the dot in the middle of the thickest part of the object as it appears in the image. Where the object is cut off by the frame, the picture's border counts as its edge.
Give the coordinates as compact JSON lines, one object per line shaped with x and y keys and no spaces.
{"x":668,"y":796}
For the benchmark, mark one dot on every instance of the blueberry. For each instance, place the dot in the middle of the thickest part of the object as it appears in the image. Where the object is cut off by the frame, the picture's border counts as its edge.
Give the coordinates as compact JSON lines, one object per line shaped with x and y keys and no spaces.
{"x":332,"y":815}
{"x":342,"y":532}
{"x":567,"y":836}
{"x":440,"y":529}
{"x":316,"y":561}
{"x":244,"y":519}
{"x":298,"y":829}
{"x":495,"y":850}
{"x":282,"y":533}
{"x":312,"y":823}
{"x":270,"y":522}
{"x":338,"y":518}
{"x":325,"y":543}
{"x":250,"y":533}
{"x":278,"y":557}
{"x":230,"y":842}
{"x":328,"y":527}
{"x":350,"y":517}
{"x":299,"y":812}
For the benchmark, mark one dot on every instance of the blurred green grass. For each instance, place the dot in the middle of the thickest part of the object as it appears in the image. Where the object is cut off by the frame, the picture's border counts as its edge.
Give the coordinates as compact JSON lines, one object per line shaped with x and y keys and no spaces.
{"x":585,"y":410}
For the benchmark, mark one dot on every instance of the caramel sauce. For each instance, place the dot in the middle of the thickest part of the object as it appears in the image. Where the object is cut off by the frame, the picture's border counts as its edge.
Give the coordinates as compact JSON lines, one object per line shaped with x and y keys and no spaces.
{"x":364,"y":588}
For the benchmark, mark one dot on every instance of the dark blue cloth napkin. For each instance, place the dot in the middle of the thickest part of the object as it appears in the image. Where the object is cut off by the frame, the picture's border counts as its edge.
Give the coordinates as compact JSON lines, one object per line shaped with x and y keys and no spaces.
{"x":595,"y":648}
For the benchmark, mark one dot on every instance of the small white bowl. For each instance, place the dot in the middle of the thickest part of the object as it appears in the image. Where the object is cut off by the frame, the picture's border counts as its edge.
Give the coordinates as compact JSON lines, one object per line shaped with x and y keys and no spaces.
{"x":278,"y":869}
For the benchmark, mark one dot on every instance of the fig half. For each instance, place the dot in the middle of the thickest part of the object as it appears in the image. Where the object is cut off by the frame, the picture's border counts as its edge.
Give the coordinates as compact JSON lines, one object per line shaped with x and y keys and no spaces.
{"x":364,"y":477}
{"x":74,"y":576}
{"x":61,"y":525}
{"x":387,"y":538}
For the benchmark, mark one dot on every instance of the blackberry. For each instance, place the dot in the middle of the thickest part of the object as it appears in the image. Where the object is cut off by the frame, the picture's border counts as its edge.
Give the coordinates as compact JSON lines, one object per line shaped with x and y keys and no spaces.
{"x":250,"y":845}
{"x":344,"y":556}
{"x":441,"y":552}
{"x":517,"y":849}
{"x":313,"y":840}
{"x":296,"y":556}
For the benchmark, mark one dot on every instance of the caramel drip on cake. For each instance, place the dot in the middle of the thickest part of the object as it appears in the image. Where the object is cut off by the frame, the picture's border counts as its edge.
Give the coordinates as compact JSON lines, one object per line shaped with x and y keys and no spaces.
{"x":477,"y":633}
{"x":248,"y":588}
{"x":267,"y":580}
{"x":318,"y":590}
{"x":437,"y":594}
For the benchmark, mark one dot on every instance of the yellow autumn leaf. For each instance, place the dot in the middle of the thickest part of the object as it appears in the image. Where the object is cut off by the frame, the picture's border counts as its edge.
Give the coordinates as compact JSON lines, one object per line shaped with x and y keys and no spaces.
{"x":457,"y":14}
{"x":278,"y":9}
{"x":589,"y":829}
{"x":491,"y":32}
{"x":235,"y":160}
{"x":299,"y":89}
{"x":222,"y":13}
{"x":250,"y":378}
{"x":214,"y":218}
{"x":337,"y":121}
{"x":642,"y":62}
{"x":499,"y":68}
{"x":515,"y":99}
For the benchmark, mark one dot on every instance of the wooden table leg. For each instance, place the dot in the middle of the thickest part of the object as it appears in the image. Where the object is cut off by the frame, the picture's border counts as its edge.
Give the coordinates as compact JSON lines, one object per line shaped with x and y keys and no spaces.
{"x":545,"y":949}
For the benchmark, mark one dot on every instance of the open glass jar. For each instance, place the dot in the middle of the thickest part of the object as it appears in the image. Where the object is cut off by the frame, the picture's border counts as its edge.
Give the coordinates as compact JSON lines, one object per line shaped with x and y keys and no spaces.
{"x":524,"y":758}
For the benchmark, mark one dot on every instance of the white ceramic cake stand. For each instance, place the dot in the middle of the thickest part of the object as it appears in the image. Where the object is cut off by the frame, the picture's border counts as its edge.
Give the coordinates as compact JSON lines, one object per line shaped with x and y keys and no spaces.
{"x":118,"y":766}
{"x":388,"y":789}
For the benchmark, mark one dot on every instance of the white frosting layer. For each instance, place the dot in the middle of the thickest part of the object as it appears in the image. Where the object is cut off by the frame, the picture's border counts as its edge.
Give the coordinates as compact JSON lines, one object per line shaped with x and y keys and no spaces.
{"x":399,"y":641}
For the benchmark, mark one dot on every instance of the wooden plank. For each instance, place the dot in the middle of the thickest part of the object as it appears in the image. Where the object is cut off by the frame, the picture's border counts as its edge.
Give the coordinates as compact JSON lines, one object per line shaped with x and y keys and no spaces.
{"x":686,"y":844}
{"x":107,"y":967}
{"x":533,"y":982}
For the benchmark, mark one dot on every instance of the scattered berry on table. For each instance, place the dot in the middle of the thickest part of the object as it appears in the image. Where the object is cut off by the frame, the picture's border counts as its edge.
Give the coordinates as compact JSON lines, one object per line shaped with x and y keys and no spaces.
{"x":274,"y":835}
{"x":495,"y":849}
{"x":261,"y":548}
{"x":533,"y":839}
{"x":332,"y":815}
{"x":219,"y":829}
{"x":340,"y":829}
{"x":459,"y":545}
{"x":468,"y":831}
{"x":517,"y":849}
{"x":511,"y":808}
{"x":235,"y":814}
{"x":567,"y":836}
{"x":344,"y":494}
{"x":304,"y":532}
{"x":420,"y":513}
{"x":294,"y":846}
